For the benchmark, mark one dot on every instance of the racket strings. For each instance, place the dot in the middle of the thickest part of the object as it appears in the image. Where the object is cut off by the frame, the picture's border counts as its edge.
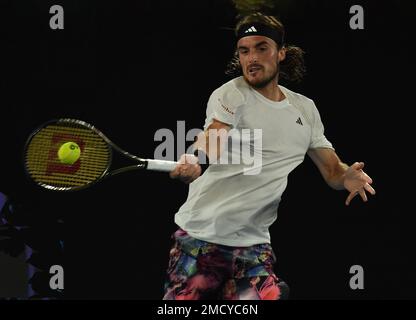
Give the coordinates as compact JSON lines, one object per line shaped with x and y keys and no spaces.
{"x":44,"y":166}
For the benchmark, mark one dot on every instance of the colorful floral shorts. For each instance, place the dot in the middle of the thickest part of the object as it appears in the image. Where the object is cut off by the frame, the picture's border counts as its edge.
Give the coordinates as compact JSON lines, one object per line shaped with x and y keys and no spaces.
{"x":199,"y":270}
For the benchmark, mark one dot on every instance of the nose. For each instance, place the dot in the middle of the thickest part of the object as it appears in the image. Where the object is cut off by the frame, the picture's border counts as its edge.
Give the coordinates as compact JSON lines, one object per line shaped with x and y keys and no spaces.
{"x":252,"y":58}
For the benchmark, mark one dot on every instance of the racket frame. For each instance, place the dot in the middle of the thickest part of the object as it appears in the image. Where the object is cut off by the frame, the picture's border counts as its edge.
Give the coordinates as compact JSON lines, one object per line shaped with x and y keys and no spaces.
{"x":142,"y":163}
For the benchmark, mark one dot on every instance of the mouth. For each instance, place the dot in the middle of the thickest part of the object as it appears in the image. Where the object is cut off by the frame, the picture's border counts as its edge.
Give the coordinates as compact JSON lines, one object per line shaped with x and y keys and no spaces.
{"x":253,"y":69}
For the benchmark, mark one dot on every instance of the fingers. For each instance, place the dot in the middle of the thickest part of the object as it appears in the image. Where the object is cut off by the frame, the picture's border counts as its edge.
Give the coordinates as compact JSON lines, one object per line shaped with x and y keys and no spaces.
{"x":358,"y":165}
{"x":186,"y":172}
{"x":356,"y":170}
{"x":369,"y":189}
{"x":363,"y":195}
{"x":189,"y":173}
{"x":367,"y":178}
{"x":350,"y":197}
{"x":353,"y":194}
{"x":187,"y":169}
{"x":361,"y":192}
{"x":188,"y":158}
{"x":175,"y":173}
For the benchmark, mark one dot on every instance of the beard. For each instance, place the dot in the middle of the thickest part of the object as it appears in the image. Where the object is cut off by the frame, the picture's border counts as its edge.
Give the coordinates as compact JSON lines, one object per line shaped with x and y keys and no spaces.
{"x":260,"y":84}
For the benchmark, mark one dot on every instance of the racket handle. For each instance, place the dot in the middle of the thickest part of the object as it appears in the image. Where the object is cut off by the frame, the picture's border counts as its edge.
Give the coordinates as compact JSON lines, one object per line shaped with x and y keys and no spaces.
{"x":160,"y":165}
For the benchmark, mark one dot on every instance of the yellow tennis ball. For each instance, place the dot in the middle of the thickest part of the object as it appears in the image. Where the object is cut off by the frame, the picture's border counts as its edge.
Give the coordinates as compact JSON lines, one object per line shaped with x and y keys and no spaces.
{"x":69,"y":153}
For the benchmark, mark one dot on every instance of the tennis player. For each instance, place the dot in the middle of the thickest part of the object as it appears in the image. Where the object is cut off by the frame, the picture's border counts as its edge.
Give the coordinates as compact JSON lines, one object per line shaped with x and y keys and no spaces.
{"x":222,"y":248}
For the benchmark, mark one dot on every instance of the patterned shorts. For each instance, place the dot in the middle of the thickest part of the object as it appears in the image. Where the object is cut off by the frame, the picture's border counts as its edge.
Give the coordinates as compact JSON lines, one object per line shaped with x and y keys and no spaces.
{"x":200,"y":270}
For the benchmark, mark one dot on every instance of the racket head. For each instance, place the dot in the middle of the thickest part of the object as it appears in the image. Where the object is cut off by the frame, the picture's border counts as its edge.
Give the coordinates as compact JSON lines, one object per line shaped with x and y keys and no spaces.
{"x":44,"y":167}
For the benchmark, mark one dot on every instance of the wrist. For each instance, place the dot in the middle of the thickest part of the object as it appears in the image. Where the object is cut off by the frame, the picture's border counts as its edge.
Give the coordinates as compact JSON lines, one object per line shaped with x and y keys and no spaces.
{"x":202,"y":159}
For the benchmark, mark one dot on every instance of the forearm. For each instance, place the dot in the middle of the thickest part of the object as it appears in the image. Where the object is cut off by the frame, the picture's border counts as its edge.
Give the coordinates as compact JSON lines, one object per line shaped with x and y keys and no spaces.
{"x":336,"y":176}
{"x":212,"y":141}
{"x":331,"y":167}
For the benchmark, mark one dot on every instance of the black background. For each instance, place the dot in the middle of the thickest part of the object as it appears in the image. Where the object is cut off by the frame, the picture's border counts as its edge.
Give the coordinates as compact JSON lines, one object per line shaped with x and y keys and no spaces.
{"x":133,"y":67}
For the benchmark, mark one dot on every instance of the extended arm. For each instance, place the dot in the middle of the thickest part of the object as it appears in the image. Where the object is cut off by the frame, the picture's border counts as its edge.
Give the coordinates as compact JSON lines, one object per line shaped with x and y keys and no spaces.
{"x":340,"y":176}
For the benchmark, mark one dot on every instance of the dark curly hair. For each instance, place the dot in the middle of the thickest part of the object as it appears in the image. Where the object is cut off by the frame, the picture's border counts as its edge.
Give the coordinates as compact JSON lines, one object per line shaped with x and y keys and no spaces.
{"x":292,"y":68}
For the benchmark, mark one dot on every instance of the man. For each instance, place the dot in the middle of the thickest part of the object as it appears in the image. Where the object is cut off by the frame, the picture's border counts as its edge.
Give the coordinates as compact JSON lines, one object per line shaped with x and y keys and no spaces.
{"x":222,"y":249}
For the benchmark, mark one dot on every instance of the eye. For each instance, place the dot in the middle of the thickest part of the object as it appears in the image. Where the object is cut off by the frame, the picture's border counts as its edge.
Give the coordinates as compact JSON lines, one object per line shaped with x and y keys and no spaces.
{"x":263,"y":48}
{"x":243,"y":51}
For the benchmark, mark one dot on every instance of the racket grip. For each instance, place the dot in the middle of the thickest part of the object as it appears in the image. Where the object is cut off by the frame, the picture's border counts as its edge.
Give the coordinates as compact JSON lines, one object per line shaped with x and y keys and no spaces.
{"x":160,"y":165}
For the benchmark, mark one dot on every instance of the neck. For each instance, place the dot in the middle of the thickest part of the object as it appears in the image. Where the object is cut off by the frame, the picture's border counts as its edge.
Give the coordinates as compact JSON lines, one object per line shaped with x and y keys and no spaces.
{"x":271,"y":91}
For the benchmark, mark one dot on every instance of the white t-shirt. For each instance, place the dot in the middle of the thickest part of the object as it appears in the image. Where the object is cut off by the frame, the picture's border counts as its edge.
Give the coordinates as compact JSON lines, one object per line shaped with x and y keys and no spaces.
{"x":234,"y":204}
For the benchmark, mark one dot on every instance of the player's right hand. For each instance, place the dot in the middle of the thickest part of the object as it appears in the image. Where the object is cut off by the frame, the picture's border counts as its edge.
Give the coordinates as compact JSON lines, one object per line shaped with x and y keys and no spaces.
{"x":187,"y":169}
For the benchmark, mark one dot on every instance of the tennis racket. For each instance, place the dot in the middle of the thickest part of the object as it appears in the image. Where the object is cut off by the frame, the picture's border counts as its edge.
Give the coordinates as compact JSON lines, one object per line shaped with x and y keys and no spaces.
{"x":45,"y":167}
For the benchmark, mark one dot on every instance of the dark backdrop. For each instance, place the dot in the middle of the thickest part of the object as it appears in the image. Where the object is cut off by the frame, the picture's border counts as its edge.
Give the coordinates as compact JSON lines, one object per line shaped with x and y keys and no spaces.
{"x":131,"y":68}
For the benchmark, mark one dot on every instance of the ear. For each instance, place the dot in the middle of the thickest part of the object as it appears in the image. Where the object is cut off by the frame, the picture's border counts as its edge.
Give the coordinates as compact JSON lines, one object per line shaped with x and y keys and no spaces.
{"x":281,"y":54}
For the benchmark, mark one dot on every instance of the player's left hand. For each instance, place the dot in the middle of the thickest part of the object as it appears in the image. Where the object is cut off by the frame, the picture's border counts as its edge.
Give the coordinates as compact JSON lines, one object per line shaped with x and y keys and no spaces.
{"x":357,"y":182}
